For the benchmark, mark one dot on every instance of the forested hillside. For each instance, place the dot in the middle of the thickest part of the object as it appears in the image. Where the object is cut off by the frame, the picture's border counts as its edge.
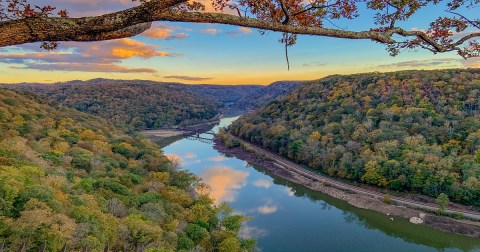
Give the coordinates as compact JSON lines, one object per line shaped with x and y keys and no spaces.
{"x":246,"y":97}
{"x":132,"y":105}
{"x":415,"y":131}
{"x":137,"y":104}
{"x":69,"y":177}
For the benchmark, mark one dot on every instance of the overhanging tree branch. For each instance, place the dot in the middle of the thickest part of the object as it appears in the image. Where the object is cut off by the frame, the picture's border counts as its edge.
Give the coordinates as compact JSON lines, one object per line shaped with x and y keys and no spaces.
{"x":136,"y":20}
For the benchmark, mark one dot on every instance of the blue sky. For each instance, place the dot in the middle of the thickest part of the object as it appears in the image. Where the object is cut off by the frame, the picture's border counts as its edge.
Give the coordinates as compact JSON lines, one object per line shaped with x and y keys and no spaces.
{"x":217,"y":54}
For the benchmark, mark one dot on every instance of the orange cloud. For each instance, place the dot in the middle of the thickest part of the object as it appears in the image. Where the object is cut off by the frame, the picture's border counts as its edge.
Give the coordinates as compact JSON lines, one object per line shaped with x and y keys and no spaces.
{"x":174,"y":158}
{"x":190,"y":155}
{"x":224,"y":182}
{"x":86,"y":57}
{"x":163,"y":32}
{"x":245,"y":30}
{"x":240,"y":31}
{"x":211,"y":31}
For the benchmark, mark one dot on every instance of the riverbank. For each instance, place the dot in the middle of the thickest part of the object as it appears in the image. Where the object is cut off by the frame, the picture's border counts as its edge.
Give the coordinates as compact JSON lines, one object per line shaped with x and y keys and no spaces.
{"x":358,"y":197}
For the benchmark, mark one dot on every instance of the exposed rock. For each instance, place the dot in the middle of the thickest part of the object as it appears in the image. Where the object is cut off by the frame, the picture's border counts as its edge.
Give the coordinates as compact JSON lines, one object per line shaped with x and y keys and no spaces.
{"x":416,"y":220}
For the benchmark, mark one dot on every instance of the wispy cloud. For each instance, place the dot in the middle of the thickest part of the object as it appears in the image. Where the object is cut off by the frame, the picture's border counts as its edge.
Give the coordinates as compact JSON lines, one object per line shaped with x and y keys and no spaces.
{"x":211,"y":31}
{"x":422,"y":63}
{"x":104,"y":56}
{"x":217,"y":159}
{"x":471,"y":62}
{"x":187,"y":78}
{"x":240,"y":31}
{"x":190,"y":155}
{"x":315,"y":63}
{"x":161,"y":31}
{"x":249,"y":232}
{"x":262,"y":183}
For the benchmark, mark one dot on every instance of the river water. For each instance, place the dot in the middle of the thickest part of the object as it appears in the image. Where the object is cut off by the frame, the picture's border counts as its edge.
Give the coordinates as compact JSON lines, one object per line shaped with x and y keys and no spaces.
{"x":291,"y":217}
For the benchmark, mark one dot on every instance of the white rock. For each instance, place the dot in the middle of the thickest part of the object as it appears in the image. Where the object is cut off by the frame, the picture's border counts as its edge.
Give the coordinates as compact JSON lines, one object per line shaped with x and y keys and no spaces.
{"x":422,"y":215}
{"x":416,"y":220}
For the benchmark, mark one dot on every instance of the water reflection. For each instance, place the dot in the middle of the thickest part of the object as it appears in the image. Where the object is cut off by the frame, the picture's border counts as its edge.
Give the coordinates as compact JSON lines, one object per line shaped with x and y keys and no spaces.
{"x":218,"y":158}
{"x":268,"y":208}
{"x":224,"y":182}
{"x":262,"y":183}
{"x":291,"y":217}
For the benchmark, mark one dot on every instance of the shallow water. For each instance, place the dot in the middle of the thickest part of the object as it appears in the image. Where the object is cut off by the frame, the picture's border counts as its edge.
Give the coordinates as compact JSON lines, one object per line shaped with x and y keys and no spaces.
{"x":291,"y":217}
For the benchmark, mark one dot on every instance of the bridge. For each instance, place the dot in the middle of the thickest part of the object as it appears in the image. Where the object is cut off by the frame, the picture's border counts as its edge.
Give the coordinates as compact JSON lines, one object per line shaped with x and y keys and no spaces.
{"x":200,"y":139}
{"x":190,"y":130}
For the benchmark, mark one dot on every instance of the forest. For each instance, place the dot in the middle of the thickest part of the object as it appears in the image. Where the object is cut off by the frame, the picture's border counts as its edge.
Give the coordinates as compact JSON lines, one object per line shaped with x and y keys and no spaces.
{"x":411,"y":131}
{"x":135,"y":106}
{"x":67,"y":177}
{"x":138,"y":104}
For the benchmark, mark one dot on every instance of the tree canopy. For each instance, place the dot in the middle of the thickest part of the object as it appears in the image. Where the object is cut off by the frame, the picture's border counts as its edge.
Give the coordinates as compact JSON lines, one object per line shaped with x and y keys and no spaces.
{"x":413,"y":131}
{"x":22,"y":22}
{"x":67,"y":177}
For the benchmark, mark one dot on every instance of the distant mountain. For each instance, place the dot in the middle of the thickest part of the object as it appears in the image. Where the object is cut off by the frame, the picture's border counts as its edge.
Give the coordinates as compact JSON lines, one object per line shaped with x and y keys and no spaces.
{"x":139,"y":104}
{"x":128,"y":104}
{"x":415,"y":131}
{"x":267,"y":94}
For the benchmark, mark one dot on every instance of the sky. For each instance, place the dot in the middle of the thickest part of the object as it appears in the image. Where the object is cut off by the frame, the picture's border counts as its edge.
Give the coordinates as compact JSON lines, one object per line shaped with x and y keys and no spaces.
{"x":212,"y":54}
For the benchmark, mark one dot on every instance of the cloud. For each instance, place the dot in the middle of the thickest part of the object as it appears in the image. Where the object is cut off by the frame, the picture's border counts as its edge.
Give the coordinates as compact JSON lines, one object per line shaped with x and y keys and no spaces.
{"x":78,"y":8}
{"x":249,"y":232}
{"x":190,"y":155}
{"x":174,"y":158}
{"x":85,"y":68}
{"x":224,"y":182}
{"x":245,"y":30}
{"x":161,"y":31}
{"x":289,"y":191}
{"x":240,"y":31}
{"x":217,"y":159}
{"x":471,"y":62}
{"x":102,"y":56}
{"x":267,"y":209}
{"x":187,"y":78}
{"x":313,"y":64}
{"x":422,"y":63}
{"x":262,"y":183}
{"x":211,"y":31}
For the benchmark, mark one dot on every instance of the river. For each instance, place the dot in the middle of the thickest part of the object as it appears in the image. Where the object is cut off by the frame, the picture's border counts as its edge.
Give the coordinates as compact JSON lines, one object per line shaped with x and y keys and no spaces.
{"x":291,"y":217}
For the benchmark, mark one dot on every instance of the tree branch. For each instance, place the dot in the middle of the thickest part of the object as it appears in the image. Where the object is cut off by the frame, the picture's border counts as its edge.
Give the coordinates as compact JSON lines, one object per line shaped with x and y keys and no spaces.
{"x":135,"y":20}
{"x":120,"y":24}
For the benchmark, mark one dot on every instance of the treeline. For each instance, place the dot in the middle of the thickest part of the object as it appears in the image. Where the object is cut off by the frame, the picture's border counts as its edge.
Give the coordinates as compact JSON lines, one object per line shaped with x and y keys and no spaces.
{"x":138,"y":105}
{"x":414,"y":131}
{"x":130,"y":105}
{"x":69,"y":177}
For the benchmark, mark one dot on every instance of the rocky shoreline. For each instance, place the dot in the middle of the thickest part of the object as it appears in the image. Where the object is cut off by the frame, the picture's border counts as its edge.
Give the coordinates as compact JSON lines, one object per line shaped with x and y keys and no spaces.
{"x":463,"y":227}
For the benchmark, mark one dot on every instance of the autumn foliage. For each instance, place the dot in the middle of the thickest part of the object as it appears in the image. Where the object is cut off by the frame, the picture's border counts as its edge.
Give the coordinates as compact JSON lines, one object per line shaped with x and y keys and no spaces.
{"x":414,"y":131}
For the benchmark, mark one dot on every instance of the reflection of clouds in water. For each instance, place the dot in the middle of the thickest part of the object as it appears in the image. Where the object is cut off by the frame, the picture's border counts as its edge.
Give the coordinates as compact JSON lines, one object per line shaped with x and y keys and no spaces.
{"x":173,"y":157}
{"x":190,"y":155}
{"x":249,"y":232}
{"x":289,"y":191}
{"x":217,"y":159}
{"x":223,"y":182}
{"x":268,"y":208}
{"x":262,"y":183}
